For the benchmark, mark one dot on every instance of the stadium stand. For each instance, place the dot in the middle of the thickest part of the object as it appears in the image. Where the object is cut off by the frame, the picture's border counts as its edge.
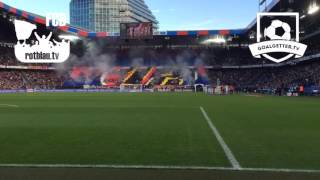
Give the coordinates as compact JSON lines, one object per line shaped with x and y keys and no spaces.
{"x":175,"y":52}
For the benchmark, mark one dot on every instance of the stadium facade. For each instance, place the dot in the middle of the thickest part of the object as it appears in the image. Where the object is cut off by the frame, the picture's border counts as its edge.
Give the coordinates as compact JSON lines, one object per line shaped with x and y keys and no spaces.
{"x":107,"y":15}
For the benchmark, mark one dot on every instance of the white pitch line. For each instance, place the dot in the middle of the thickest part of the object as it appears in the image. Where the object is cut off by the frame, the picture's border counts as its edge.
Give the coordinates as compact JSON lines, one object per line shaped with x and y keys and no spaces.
{"x":235,"y":164}
{"x":281,"y":170}
{"x":115,"y":166}
{"x":158,"y":167}
{"x":10,"y":105}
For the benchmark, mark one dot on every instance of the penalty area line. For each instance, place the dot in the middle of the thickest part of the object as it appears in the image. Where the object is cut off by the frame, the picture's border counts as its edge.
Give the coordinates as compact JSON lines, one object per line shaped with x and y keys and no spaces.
{"x":234,"y":162}
{"x":156,"y":167}
{"x":9,"y":105}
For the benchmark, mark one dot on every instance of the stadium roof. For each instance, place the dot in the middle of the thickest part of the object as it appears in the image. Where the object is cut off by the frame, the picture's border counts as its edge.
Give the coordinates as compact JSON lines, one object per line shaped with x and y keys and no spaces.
{"x":309,"y":27}
{"x":84,"y":33}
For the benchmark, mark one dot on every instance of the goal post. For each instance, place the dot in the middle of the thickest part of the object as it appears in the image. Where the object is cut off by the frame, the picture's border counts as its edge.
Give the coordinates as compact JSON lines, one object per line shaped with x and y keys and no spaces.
{"x":131,"y":88}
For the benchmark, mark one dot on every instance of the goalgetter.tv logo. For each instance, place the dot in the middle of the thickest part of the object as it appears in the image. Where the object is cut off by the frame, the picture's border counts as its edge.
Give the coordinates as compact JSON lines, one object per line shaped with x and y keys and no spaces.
{"x":34,"y":48}
{"x":278,"y":37}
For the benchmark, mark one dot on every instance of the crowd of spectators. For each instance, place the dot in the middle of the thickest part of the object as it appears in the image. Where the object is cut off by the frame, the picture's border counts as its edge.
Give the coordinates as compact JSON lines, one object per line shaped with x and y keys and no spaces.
{"x":6,"y":57}
{"x":43,"y":80}
{"x":306,"y":73}
{"x":223,"y":56}
{"x":25,"y":79}
{"x":162,"y":56}
{"x":29,"y":79}
{"x":11,"y":80}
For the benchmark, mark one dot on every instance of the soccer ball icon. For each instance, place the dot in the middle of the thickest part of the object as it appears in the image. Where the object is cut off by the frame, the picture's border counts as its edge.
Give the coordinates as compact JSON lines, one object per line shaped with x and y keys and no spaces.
{"x":278,"y":30}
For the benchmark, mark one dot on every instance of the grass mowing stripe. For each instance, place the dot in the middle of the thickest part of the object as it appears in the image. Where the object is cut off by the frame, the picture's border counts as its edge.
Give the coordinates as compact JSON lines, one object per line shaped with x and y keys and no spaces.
{"x":234,"y":162}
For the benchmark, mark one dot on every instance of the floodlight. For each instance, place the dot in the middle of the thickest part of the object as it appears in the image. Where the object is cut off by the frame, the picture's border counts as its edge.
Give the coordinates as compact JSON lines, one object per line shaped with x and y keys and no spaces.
{"x":313,"y":8}
{"x":216,"y":40}
{"x":69,"y":37}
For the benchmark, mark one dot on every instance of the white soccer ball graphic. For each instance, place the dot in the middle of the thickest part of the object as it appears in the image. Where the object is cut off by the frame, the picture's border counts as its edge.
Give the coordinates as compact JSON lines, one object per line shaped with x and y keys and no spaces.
{"x":278,"y":30}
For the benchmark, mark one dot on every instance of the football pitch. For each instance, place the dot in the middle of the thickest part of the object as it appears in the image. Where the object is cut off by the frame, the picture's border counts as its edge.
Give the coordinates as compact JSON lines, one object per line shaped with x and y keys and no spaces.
{"x":174,"y":131}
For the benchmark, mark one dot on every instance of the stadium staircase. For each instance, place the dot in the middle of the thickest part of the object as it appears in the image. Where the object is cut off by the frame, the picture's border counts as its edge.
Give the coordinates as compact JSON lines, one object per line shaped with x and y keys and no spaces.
{"x":146,"y":79}
{"x":129,"y":75}
{"x":26,"y":81}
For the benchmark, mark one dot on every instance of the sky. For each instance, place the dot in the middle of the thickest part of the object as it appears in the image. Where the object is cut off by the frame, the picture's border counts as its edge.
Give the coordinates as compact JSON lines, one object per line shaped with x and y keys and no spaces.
{"x":171,"y":14}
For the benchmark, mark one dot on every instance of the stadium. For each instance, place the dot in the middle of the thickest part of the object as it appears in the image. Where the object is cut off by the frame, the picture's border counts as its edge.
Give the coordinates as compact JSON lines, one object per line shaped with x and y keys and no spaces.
{"x":161,"y":104}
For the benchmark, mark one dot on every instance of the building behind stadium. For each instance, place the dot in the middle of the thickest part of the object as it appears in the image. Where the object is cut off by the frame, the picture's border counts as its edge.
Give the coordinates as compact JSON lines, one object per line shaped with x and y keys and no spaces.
{"x":107,"y":15}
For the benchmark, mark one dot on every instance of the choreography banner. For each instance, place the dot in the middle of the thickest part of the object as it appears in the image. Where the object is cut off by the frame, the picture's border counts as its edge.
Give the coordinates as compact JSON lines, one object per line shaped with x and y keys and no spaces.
{"x":266,"y":47}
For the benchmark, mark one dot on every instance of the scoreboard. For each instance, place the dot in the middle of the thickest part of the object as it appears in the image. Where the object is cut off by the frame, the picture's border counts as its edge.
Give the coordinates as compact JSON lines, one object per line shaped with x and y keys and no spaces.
{"x":136,"y":30}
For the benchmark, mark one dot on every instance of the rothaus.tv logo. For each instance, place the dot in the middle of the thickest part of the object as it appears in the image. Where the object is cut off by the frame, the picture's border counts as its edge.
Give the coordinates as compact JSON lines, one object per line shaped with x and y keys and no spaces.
{"x":278,"y":37}
{"x":34,"y":47}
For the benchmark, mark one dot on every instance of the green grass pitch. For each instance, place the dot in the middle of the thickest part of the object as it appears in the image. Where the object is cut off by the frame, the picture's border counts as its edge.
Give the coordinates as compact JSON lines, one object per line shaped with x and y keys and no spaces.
{"x":159,"y":129}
